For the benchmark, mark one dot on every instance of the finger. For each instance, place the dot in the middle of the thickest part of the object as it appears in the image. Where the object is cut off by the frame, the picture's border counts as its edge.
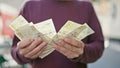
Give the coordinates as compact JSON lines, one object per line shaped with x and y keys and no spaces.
{"x":73,"y":42}
{"x":34,"y":53}
{"x":68,"y":46}
{"x":39,"y":53}
{"x":63,"y":51}
{"x":34,"y":44}
{"x":24,"y":43}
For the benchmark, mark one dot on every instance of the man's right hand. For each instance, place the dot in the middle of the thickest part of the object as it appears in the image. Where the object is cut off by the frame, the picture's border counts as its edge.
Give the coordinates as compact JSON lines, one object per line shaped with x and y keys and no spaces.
{"x":31,"y":48}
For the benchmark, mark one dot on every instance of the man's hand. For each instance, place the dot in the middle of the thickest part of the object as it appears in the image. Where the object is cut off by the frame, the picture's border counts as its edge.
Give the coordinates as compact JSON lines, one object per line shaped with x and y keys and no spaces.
{"x":31,"y":48}
{"x":70,"y":47}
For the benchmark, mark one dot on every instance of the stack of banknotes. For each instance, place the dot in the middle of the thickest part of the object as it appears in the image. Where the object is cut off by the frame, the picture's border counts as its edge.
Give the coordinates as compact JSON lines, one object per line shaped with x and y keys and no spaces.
{"x":46,"y":30}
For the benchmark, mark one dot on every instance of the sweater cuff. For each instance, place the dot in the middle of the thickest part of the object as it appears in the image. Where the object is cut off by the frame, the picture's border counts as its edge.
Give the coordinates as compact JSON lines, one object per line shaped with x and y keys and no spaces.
{"x":78,"y":59}
{"x":21,"y":57}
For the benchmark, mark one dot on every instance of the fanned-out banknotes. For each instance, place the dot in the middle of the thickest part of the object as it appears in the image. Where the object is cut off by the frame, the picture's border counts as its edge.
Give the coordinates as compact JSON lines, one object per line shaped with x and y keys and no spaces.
{"x":47,"y":32}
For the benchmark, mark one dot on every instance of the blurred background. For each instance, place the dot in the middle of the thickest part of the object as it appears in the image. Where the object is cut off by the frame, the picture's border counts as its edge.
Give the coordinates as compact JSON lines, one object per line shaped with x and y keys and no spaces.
{"x":108,"y":12}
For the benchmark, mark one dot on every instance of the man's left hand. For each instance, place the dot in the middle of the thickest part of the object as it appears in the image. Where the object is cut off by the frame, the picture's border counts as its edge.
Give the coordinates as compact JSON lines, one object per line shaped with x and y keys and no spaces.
{"x":69,"y":47}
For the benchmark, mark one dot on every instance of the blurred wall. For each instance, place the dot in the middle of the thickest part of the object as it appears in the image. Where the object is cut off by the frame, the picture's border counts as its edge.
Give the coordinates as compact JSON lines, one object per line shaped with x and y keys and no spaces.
{"x":115,"y":20}
{"x":14,"y":3}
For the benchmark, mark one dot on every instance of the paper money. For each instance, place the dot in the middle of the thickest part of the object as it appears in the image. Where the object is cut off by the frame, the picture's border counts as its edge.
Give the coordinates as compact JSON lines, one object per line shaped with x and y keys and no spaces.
{"x":27,"y":31}
{"x":84,"y":33}
{"x":47,"y":32}
{"x":24,"y":30}
{"x":18,"y":22}
{"x":72,"y":29}
{"x":47,"y":28}
{"x":68,"y":27}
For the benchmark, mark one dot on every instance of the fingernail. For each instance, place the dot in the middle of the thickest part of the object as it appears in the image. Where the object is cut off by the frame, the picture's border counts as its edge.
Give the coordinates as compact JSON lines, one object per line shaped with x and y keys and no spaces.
{"x":60,"y":41}
{"x":39,"y":39}
{"x":44,"y":43}
{"x":55,"y":40}
{"x":26,"y":56}
{"x":55,"y":46}
{"x":66,"y":39}
{"x":31,"y":39}
{"x":20,"y":52}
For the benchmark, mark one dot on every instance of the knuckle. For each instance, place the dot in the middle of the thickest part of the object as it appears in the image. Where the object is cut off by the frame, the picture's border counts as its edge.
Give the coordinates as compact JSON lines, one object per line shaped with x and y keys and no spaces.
{"x":21,"y":52}
{"x":19,"y":44}
{"x":35,"y":56}
{"x":27,"y":56}
{"x":29,"y":48}
{"x":43,"y":43}
{"x":77,"y":55}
